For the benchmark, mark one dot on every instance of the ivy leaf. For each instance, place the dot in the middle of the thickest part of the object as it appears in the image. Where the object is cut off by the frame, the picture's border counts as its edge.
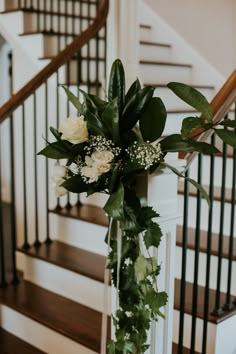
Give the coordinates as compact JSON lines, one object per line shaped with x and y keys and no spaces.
{"x":116,"y":87}
{"x":73,"y":99}
{"x":228,"y":123}
{"x":227,"y":136}
{"x":114,"y":207}
{"x":110,"y":120}
{"x":156,"y":300}
{"x":175,"y":143}
{"x":57,"y":150}
{"x":135,"y":107}
{"x":56,"y":133}
{"x":134,"y":88}
{"x":146,"y":214}
{"x":152,"y":236}
{"x":192,"y":97}
{"x":153,"y":120}
{"x":144,"y":267}
{"x":75,"y":184}
{"x":190,"y":124}
{"x":192,"y":181}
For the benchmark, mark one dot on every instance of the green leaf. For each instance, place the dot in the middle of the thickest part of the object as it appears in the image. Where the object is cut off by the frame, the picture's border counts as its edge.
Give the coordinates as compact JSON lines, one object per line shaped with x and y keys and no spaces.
{"x":56,"y":133}
{"x":116,"y":87}
{"x":134,"y":88}
{"x":144,"y":267}
{"x":88,"y":103}
{"x":228,"y":123}
{"x":175,"y":143}
{"x":95,"y":126}
{"x":110,"y":120}
{"x":114,"y":178}
{"x":146,"y":214}
{"x":192,"y":181}
{"x":227,"y":136}
{"x":204,"y":148}
{"x":75,"y":184}
{"x":153,"y":120}
{"x":115,"y":205}
{"x":98,"y":103}
{"x":73,"y":99}
{"x":152,"y":236}
{"x":156,"y":300}
{"x":135,"y":107}
{"x":192,"y":97}
{"x":57,"y":150}
{"x":190,"y":124}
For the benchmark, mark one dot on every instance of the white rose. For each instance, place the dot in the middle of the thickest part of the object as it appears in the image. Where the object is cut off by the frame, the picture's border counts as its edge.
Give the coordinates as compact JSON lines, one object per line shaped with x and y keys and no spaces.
{"x":103,"y":168}
{"x":60,"y":173}
{"x":103,"y":157}
{"x":90,"y":172}
{"x":59,"y":190}
{"x":74,"y":130}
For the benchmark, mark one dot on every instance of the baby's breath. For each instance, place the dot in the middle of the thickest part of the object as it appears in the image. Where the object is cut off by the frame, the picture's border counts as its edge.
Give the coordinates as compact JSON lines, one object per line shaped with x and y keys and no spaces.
{"x":99,"y":143}
{"x":145,"y":154}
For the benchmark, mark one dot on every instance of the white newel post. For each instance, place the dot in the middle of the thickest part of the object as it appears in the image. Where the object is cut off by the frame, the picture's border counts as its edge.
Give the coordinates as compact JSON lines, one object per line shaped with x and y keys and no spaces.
{"x":123,"y":36}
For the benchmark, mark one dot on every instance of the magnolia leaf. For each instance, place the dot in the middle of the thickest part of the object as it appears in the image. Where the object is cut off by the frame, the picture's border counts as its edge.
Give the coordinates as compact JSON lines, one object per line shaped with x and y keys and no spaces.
{"x":57,"y":150}
{"x":153,"y":120}
{"x":204,"y":148}
{"x":95,"y":126}
{"x":73,"y":99}
{"x":98,"y":102}
{"x":228,"y":123}
{"x":56,"y":133}
{"x":110,"y":120}
{"x":116,"y":87}
{"x":88,"y":103}
{"x":152,"y":236}
{"x":75,"y":184}
{"x":190,"y":124}
{"x":190,"y":180}
{"x":135,"y":107}
{"x":175,"y":143}
{"x":227,"y":136}
{"x":192,"y":97}
{"x":134,"y":88}
{"x":115,"y":205}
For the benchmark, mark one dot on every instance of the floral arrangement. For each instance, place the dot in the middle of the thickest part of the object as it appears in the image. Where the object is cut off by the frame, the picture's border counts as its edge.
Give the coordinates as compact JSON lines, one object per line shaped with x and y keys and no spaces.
{"x":107,"y":147}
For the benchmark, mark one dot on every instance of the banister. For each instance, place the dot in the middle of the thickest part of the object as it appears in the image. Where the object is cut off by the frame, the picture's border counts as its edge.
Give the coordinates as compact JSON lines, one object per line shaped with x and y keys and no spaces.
{"x":62,"y":57}
{"x":220,"y":104}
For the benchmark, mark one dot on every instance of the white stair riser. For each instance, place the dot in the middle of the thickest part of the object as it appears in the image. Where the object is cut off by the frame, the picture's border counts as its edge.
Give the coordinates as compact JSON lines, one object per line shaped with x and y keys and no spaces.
{"x":164,"y":73}
{"x":204,"y":215}
{"x":149,"y":52}
{"x":202,"y":270}
{"x":146,"y":34}
{"x":38,"y":335}
{"x":71,"y":285}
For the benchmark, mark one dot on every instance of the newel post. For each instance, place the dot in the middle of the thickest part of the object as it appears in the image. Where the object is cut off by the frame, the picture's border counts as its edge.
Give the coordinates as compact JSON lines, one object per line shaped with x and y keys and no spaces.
{"x":162,"y":191}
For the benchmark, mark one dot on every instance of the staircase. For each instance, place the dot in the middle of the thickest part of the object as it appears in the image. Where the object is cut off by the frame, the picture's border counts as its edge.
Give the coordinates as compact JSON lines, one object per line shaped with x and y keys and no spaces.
{"x":56,"y":300}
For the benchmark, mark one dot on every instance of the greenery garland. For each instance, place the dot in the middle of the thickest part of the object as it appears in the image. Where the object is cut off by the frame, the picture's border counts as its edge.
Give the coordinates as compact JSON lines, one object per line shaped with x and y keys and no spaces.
{"x":108,"y":146}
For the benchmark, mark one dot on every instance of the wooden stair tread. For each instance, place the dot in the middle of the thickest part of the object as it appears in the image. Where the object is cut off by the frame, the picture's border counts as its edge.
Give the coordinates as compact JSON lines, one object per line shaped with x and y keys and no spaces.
{"x":185,"y":350}
{"x":88,"y":213}
{"x":53,"y":33}
{"x":201,"y":301}
{"x":163,"y":63}
{"x":203,"y":242}
{"x":11,"y":344}
{"x":156,"y":44}
{"x":217,"y":192}
{"x":73,"y":320}
{"x":72,"y":258}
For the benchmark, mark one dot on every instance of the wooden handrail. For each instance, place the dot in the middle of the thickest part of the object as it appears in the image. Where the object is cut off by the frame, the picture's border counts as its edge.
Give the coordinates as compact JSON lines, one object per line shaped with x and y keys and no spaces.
{"x":64,"y":56}
{"x":220,"y":104}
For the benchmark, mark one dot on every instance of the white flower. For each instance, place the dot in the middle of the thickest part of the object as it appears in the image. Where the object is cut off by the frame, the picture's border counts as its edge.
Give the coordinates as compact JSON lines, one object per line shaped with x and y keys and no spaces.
{"x":90,"y":172}
{"x":74,"y":129}
{"x":129,"y":313}
{"x":74,"y":168}
{"x":89,"y":161}
{"x":58,"y":178}
{"x":102,"y":168}
{"x":102,"y":157}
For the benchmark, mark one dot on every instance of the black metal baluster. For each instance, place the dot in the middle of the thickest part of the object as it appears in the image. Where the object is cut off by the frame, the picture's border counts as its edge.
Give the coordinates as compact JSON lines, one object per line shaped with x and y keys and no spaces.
{"x":73,"y":18}
{"x":184,"y":264}
{"x":68,"y":67}
{"x":88,"y":51}
{"x":48,"y":240}
{"x":59,"y":26}
{"x":58,"y":206}
{"x":44,"y":16}
{"x":196,"y":260}
{"x":51,"y":15}
{"x":209,"y":245}
{"x":2,"y":243}
{"x":38,"y":16}
{"x":218,"y":309}
{"x":37,"y":242}
{"x":26,"y":243}
{"x":66,"y":23}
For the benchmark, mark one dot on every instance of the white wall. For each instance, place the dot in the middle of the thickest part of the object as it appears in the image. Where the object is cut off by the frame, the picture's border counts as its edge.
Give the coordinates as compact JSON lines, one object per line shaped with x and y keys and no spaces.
{"x":208,"y":25}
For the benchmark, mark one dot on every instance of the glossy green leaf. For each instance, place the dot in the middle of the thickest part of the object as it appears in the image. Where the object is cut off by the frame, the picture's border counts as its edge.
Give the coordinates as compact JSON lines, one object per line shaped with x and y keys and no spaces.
{"x":115,"y":205}
{"x":227,"y":136}
{"x":57,"y":150}
{"x":116,"y":87}
{"x":110,"y":120}
{"x":156,"y":300}
{"x":73,"y":99}
{"x":94,"y":125}
{"x":152,"y":237}
{"x":98,"y":103}
{"x":204,"y":148}
{"x":190,"y":180}
{"x":135,"y":107}
{"x":56,"y":133}
{"x":153,"y":120}
{"x":88,"y":103}
{"x":175,"y":143}
{"x":190,"y":124}
{"x":134,"y":88}
{"x":228,"y":123}
{"x":75,"y":184}
{"x":192,"y":97}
